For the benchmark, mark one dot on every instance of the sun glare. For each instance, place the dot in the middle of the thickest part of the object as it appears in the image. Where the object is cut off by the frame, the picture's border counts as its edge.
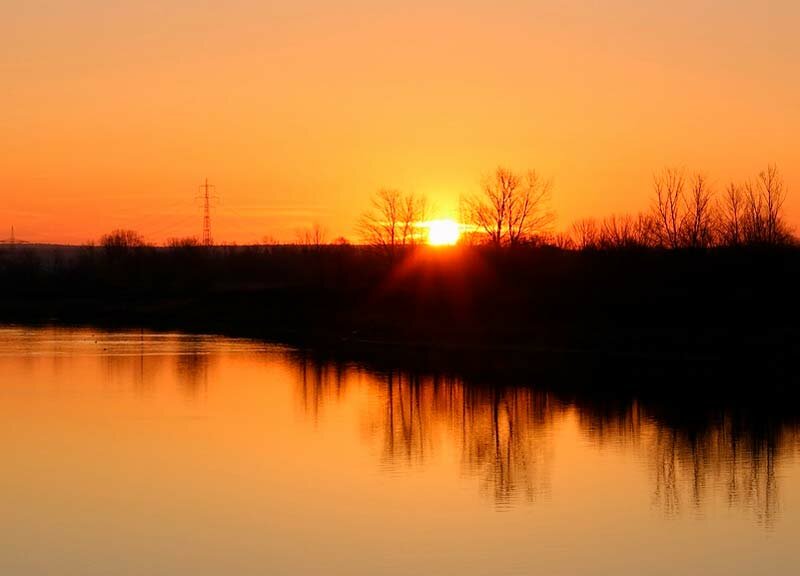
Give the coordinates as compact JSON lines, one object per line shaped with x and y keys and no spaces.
{"x":442,"y":232}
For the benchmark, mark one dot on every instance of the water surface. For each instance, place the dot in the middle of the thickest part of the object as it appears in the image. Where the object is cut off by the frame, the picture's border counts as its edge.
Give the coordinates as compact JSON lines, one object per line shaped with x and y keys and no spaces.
{"x":139,"y":453}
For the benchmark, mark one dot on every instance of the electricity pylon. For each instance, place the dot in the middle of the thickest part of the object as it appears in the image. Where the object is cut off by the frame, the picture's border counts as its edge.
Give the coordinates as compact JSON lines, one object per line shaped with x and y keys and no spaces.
{"x":206,"y":191}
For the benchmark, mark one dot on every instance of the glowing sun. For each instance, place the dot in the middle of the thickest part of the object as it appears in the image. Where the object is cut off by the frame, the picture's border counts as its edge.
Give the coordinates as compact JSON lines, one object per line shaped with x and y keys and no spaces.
{"x":442,"y":232}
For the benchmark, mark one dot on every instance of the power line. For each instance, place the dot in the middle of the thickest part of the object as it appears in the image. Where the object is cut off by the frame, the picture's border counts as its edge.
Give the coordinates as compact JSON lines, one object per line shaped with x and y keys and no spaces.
{"x":171,"y":226}
{"x":164,"y":216}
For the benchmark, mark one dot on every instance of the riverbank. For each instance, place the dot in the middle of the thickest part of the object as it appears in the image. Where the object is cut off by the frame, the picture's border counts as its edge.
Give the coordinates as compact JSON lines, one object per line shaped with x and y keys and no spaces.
{"x":719,"y":305}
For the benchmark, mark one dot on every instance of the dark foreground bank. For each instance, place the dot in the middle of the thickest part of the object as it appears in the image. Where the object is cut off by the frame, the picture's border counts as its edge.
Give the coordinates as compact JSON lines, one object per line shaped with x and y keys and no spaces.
{"x":733,"y":304}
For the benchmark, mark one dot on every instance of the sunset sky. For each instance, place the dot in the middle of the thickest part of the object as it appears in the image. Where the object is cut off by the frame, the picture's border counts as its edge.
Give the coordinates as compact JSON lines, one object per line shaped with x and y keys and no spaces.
{"x":114,"y":112}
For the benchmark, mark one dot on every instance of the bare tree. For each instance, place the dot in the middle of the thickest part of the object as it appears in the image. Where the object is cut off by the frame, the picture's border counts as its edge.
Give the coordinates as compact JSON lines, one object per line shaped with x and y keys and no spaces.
{"x":529,"y":215}
{"x":685,"y":214}
{"x":774,"y":193}
{"x":413,"y":212}
{"x":510,"y":209}
{"x":616,"y":232}
{"x":489,"y":211}
{"x":645,"y":230}
{"x":562,"y":240}
{"x":313,"y":236}
{"x":393,"y":219}
{"x":763,"y":213}
{"x":585,"y":234}
{"x":697,"y":222}
{"x":668,"y":187}
{"x":731,"y":216}
{"x":627,"y":232}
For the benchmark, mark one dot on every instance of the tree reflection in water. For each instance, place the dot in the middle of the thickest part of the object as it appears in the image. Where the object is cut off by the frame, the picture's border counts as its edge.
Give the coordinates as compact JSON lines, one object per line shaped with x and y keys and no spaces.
{"x":192,"y":365}
{"x":688,"y":466}
{"x":504,"y":435}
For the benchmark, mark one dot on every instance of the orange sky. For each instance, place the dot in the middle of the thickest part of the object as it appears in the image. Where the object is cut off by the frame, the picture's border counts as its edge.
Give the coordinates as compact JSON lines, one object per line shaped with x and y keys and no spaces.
{"x":114,"y":112}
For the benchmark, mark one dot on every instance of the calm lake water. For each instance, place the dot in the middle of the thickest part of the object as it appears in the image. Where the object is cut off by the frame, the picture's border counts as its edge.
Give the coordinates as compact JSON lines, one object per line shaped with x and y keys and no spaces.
{"x":162,"y":454}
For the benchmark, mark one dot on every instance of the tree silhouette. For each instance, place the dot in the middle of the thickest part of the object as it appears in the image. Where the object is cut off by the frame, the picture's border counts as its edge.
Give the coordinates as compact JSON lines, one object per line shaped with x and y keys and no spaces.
{"x":122,"y":239}
{"x":731,"y":216}
{"x":585,"y":234}
{"x":510,"y":209}
{"x":668,"y":187}
{"x":393,"y":219}
{"x":313,"y":236}
{"x":187,"y":242}
{"x":763,"y":214}
{"x":697,"y":225}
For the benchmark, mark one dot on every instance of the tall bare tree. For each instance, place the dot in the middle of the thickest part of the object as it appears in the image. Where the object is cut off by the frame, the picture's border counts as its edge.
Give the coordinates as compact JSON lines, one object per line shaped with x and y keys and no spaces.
{"x":668,"y":186}
{"x":393,"y":219}
{"x":697,"y":222}
{"x":731,"y":216}
{"x":413,"y":212}
{"x":763,"y":214}
{"x":510,"y":209}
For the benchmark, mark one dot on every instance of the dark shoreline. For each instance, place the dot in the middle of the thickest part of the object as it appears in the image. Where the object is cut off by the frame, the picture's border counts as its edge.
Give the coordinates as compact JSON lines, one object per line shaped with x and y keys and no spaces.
{"x":513,"y":363}
{"x":732,"y":312}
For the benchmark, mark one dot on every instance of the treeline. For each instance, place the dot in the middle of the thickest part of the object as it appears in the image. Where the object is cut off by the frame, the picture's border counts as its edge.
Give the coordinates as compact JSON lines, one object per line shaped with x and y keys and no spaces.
{"x":719,"y":302}
{"x":687,"y":213}
{"x":513,"y":208}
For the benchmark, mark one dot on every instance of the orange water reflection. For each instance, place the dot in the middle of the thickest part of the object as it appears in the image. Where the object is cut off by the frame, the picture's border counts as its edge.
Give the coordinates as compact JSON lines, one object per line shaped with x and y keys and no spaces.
{"x":504,"y":437}
{"x":134,"y":453}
